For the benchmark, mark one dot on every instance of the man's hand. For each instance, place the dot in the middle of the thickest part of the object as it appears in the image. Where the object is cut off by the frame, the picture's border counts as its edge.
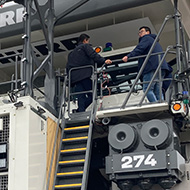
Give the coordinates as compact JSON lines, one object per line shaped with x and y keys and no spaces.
{"x":125,"y":59}
{"x":108,"y":61}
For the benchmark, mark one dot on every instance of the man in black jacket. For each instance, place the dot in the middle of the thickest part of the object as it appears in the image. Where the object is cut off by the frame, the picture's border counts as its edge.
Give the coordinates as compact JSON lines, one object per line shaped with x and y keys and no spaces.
{"x":83,"y":55}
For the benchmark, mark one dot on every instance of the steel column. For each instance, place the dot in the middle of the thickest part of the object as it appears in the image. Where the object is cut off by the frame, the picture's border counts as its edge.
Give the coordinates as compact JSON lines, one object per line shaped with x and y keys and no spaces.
{"x":27,"y":60}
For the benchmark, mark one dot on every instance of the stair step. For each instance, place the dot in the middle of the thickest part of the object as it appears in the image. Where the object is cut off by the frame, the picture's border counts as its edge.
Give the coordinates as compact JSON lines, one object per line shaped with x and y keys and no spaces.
{"x":68,"y":174}
{"x":80,"y":117}
{"x":70,"y":162}
{"x":75,"y":139}
{"x":75,"y":150}
{"x":76,"y":128}
{"x":73,"y":123}
{"x":68,"y":186}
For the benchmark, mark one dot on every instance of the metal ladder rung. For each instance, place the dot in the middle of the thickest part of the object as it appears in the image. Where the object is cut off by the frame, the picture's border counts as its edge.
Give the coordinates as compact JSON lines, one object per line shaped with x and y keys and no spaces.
{"x":73,"y":150}
{"x":72,"y":161}
{"x":69,"y":185}
{"x":70,"y":173}
{"x":76,"y":128}
{"x":75,"y":139}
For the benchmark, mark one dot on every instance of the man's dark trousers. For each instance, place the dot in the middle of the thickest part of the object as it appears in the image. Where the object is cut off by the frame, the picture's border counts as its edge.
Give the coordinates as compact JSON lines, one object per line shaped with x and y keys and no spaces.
{"x":85,"y":99}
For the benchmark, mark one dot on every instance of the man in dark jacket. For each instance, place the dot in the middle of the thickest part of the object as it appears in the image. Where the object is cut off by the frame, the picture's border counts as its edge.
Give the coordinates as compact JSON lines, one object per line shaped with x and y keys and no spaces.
{"x":83,"y":55}
{"x":146,"y":40}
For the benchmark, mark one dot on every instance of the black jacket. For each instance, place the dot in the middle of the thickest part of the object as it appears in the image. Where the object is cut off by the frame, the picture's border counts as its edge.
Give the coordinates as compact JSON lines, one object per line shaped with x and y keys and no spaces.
{"x":143,"y":48}
{"x":82,"y":55}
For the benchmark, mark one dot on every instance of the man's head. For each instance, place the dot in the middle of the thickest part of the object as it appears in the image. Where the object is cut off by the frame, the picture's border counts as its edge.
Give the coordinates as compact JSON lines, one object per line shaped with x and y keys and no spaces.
{"x":83,"y":38}
{"x":144,"y":30}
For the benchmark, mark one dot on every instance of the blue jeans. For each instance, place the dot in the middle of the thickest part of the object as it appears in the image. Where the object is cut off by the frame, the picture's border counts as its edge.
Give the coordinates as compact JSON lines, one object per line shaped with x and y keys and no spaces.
{"x":153,"y":94}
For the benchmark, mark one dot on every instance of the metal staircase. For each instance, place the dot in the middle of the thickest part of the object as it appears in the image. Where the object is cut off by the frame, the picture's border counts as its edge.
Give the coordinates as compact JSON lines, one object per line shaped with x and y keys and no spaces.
{"x":72,"y":157}
{"x":75,"y":146}
{"x":75,"y":150}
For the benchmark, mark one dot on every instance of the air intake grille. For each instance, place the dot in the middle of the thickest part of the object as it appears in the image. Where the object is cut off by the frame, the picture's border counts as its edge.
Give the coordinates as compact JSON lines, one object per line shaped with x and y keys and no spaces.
{"x":4,"y":135}
{"x":4,"y":138}
{"x":4,"y":182}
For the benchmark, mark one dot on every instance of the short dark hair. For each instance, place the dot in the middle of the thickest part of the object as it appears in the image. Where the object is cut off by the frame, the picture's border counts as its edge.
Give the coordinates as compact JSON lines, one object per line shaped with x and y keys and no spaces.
{"x":147,"y":29}
{"x":83,"y":37}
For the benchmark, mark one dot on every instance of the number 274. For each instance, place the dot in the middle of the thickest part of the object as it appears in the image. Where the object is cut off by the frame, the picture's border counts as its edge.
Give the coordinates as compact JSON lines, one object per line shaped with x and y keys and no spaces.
{"x":139,"y":160}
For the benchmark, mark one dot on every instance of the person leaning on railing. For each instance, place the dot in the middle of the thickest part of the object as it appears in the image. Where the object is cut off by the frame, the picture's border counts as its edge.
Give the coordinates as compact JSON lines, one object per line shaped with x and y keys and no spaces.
{"x":83,"y":55}
{"x":146,"y":40}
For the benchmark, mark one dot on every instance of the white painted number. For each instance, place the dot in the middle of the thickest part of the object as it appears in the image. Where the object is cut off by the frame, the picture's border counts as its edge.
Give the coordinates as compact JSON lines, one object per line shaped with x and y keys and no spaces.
{"x":140,"y":159}
{"x":128,"y":161}
{"x":150,"y":161}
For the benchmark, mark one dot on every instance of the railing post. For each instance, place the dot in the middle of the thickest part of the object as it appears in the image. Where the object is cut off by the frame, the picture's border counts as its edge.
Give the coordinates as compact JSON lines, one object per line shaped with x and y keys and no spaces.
{"x":160,"y":80}
{"x":89,"y":141}
{"x":12,"y":82}
{"x":188,"y":52}
{"x":27,"y":60}
{"x":177,"y":36}
{"x":16,"y":72}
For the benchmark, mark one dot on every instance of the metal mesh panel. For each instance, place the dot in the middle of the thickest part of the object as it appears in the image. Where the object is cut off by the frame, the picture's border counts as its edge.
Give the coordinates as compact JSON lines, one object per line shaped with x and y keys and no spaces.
{"x":4,"y":135}
{"x":4,"y":182}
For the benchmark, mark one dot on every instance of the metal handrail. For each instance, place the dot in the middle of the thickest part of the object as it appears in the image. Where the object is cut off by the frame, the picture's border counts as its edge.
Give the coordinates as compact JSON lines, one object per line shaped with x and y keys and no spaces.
{"x":139,"y":83}
{"x":117,"y":61}
{"x":145,"y":61}
{"x":61,"y":115}
{"x":14,"y":77}
{"x":89,"y":144}
{"x":88,"y":148}
{"x":155,"y":73}
{"x":69,"y":79}
{"x":9,"y":56}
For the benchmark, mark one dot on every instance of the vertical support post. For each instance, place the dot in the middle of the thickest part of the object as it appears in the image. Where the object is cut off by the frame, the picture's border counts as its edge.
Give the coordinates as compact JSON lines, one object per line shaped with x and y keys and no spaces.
{"x":184,"y":48}
{"x":12,"y":83}
{"x":58,"y":91}
{"x":188,"y":52}
{"x":177,"y":85}
{"x":177,"y":35}
{"x":50,"y":87}
{"x":160,"y":79}
{"x":51,"y":17}
{"x":16,"y":72}
{"x":27,"y":61}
